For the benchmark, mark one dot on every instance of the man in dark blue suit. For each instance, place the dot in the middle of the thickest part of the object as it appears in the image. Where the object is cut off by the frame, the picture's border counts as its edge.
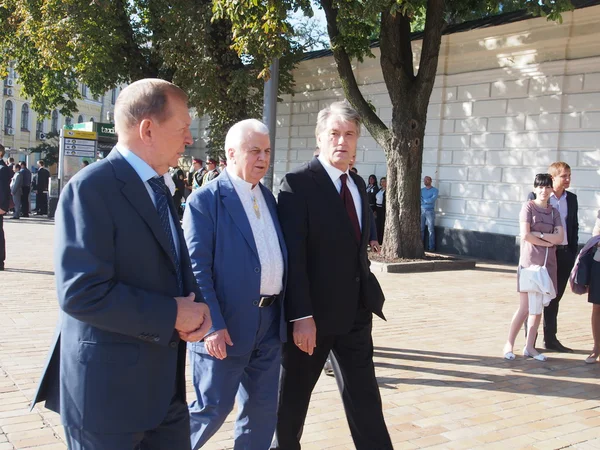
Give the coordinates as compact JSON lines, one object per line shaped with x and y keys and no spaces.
{"x":239,"y":259}
{"x":5,"y":176}
{"x":125,"y":287}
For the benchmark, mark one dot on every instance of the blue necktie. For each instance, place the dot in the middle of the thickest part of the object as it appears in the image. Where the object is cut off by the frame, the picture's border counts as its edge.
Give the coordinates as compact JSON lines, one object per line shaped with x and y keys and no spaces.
{"x":162,"y":205}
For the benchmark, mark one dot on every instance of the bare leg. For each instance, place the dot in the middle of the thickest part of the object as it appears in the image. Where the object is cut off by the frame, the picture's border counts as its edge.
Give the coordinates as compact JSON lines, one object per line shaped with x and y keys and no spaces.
{"x":534,"y":323}
{"x":595,"y":332}
{"x":517,"y":321}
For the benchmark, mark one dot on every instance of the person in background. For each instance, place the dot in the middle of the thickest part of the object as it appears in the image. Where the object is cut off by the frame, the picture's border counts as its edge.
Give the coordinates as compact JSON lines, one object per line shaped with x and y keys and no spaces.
{"x":566,"y":251}
{"x":594,"y":298}
{"x":541,"y":230}
{"x":372,"y":190}
{"x":380,"y":208}
{"x":211,"y":171}
{"x":222,"y":164}
{"x":42,"y":184}
{"x":5,"y":176}
{"x":178,"y":177}
{"x":16,"y":190}
{"x":25,"y":189}
{"x":195,"y":176}
{"x":11,"y":166}
{"x":429,"y":195}
{"x":84,"y":163}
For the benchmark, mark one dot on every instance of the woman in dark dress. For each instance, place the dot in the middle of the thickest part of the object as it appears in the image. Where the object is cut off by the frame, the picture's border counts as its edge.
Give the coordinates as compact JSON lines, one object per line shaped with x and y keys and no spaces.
{"x":372,"y":191}
{"x":594,"y":298}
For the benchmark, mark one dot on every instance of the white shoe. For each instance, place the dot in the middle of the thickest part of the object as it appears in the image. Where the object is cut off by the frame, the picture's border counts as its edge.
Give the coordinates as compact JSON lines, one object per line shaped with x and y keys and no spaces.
{"x":538,"y":357}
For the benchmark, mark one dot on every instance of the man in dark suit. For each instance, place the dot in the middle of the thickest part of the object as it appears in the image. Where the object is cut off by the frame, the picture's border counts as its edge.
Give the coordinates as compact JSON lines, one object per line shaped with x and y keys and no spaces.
{"x":26,"y":189}
{"x":41,"y":189}
{"x":331,"y":293}
{"x":566,"y":204}
{"x":232,"y":230}
{"x":125,"y":287}
{"x":5,"y":176}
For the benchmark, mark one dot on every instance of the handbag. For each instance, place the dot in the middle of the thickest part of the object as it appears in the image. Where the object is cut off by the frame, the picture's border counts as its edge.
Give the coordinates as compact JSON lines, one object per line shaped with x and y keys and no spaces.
{"x":584,"y":269}
{"x":536,"y":279}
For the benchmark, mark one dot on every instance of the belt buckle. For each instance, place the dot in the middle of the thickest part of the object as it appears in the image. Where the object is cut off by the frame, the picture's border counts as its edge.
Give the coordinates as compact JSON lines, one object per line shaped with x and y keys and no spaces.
{"x":265,"y":302}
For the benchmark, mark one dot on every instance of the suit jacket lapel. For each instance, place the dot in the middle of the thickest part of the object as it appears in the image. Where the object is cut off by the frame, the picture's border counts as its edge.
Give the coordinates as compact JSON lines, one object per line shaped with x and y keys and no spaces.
{"x":331,"y":196}
{"x":135,"y":191}
{"x":366,"y":219}
{"x":233,"y":204}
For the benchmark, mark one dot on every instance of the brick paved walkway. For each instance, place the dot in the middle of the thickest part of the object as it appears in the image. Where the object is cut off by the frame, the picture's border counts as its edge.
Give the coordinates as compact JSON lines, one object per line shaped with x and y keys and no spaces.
{"x":442,"y":378}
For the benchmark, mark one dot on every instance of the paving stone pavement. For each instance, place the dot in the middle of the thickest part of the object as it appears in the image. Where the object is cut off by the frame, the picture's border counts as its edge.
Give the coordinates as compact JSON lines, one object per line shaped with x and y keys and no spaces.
{"x":439,"y":363}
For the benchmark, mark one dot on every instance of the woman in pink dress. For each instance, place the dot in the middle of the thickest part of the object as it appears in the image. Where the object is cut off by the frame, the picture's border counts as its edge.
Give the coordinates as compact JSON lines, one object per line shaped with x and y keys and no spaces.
{"x":540,"y":229}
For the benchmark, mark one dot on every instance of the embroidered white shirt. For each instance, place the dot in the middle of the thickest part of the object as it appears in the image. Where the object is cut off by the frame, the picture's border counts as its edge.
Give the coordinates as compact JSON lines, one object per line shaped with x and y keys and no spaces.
{"x":265,"y":235}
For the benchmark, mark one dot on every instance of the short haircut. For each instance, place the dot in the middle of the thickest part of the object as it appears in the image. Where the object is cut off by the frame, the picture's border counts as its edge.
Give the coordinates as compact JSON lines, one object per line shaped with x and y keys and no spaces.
{"x":23,"y":164}
{"x":41,"y":162}
{"x":238,"y":132}
{"x":343,"y":110}
{"x":2,"y":151}
{"x":145,"y":99}
{"x":557,"y":167}
{"x":11,"y":160}
{"x":542,"y":179}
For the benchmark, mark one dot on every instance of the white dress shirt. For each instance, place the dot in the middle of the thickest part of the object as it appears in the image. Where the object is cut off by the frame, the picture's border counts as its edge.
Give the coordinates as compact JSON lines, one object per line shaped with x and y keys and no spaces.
{"x":335,"y":175}
{"x":145,"y":172}
{"x":561,"y":205}
{"x":265,"y":235}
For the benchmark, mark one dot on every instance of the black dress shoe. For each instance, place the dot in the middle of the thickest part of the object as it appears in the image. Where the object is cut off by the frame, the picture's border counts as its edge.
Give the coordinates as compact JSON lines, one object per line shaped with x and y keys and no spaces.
{"x":558,"y":347}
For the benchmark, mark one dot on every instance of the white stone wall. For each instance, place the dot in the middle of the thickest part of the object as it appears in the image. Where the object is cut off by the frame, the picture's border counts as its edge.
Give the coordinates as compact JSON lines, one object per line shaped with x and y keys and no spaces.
{"x":508,"y":101}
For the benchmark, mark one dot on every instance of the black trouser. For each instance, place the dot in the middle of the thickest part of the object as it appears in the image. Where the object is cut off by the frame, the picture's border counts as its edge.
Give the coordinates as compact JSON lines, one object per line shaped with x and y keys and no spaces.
{"x":355,"y":375}
{"x":2,"y":242}
{"x":380,"y":221}
{"x":41,"y":202}
{"x":565,"y":259}
{"x":25,"y":200}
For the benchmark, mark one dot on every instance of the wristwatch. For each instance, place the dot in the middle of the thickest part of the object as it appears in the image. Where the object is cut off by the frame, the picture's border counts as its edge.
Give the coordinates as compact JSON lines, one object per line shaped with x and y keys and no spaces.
{"x":541,"y":235}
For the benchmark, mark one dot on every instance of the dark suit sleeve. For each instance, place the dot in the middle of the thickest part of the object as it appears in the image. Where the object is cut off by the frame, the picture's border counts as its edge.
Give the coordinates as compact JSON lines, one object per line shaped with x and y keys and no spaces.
{"x":4,"y":188}
{"x":575,"y":234}
{"x":85,"y":261}
{"x":293,"y":217}
{"x":199,"y":230}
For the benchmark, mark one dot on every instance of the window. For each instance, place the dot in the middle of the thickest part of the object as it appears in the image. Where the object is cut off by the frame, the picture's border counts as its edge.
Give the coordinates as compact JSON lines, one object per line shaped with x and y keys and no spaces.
{"x":54,"y":125}
{"x":39,"y":126}
{"x":8,"y":115}
{"x":80,"y":119}
{"x":113,"y":96}
{"x":25,"y":117}
{"x":69,"y":121}
{"x":83,"y":90}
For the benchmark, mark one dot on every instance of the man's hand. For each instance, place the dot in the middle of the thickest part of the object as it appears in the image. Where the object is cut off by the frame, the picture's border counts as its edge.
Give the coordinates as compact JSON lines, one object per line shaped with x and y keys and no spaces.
{"x":2,"y":212}
{"x":374,"y":246}
{"x":216,"y":343}
{"x":305,"y":334}
{"x":193,"y":319}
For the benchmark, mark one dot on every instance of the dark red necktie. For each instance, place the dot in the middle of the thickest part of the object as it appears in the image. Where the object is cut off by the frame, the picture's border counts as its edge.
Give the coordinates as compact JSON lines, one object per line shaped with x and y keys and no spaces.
{"x":349,"y":204}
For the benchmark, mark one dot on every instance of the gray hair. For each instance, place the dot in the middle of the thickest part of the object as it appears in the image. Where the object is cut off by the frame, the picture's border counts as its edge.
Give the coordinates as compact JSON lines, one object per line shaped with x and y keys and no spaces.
{"x":342,"y":110}
{"x":238,"y":132}
{"x":145,"y":99}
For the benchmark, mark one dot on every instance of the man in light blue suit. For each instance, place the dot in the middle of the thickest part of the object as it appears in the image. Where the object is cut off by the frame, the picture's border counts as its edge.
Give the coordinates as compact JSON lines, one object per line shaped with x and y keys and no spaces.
{"x":239,"y":259}
{"x":116,"y":372}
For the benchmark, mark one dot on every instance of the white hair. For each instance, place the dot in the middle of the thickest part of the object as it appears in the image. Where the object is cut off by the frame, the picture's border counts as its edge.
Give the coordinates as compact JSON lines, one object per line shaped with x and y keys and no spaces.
{"x":238,"y":132}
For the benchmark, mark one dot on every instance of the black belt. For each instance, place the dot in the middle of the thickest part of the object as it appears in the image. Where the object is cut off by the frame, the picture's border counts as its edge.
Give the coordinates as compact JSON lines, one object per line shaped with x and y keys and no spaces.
{"x":265,"y":302}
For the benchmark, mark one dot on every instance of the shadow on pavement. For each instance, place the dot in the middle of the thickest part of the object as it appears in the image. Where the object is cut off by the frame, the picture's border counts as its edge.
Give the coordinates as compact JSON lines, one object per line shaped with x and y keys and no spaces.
{"x":33,"y":272}
{"x":520,"y":375}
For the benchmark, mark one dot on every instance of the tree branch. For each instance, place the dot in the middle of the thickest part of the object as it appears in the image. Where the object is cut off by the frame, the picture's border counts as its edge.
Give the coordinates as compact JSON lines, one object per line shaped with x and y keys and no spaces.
{"x":372,"y":122}
{"x":432,"y":39}
{"x":396,"y":53}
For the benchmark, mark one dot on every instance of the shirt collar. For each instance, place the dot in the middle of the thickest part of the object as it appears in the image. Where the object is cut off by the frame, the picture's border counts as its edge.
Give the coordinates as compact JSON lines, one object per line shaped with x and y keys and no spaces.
{"x":561,"y":197}
{"x":333,"y":172}
{"x":239,"y":183}
{"x":141,"y":167}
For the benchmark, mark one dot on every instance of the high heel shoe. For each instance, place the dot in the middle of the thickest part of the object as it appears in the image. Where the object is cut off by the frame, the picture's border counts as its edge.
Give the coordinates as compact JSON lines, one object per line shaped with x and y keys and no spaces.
{"x":538,"y":357}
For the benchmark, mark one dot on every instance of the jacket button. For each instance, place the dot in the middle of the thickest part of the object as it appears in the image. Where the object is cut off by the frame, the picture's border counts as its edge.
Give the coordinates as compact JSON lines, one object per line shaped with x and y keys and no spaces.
{"x":173,"y":344}
{"x":255,"y":302}
{"x":256,"y":269}
{"x":357,"y":279}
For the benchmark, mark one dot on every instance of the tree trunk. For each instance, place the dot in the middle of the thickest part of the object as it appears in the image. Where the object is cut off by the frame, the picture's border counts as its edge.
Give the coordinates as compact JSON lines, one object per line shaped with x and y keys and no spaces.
{"x":402,"y":234}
